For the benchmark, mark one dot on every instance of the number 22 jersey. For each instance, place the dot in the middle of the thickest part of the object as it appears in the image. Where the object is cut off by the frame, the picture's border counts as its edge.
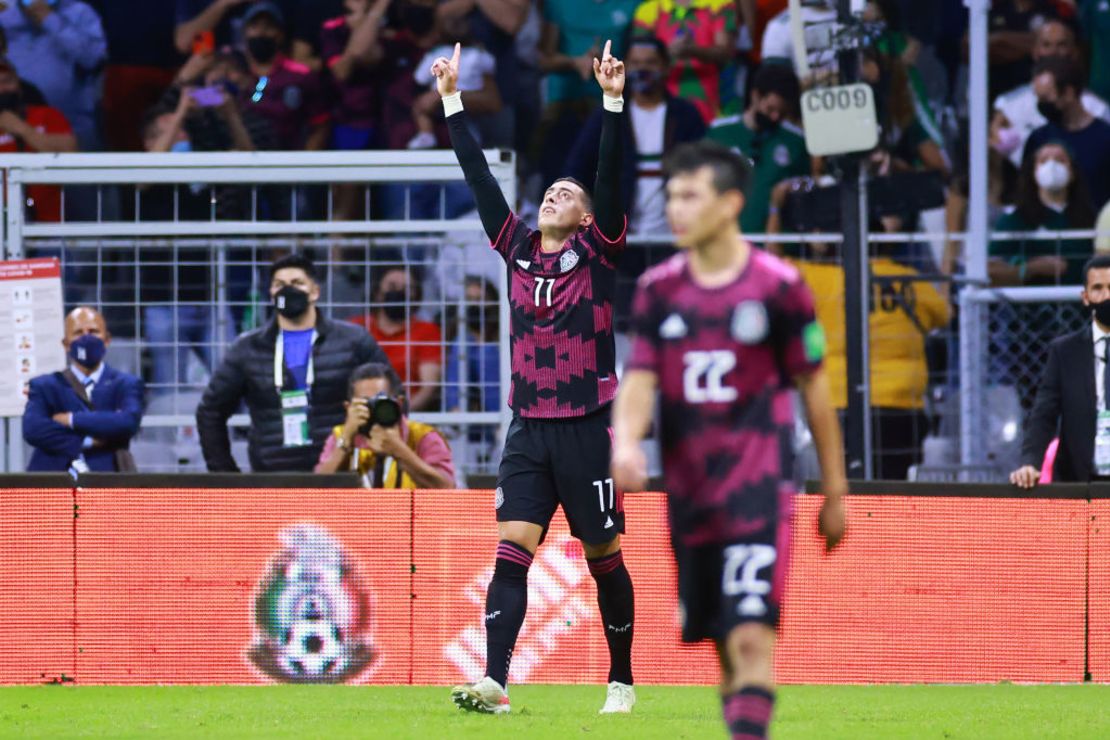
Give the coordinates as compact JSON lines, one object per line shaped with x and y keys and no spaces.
{"x":726,"y":358}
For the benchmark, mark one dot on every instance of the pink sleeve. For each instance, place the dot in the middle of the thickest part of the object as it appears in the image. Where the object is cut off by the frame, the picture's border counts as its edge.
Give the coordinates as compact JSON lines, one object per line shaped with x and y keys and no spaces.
{"x":329,"y":447}
{"x":433,"y":450}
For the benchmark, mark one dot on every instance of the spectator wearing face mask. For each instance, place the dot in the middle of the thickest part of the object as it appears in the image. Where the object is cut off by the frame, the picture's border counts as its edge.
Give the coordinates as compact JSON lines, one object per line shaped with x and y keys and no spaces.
{"x":1058,"y":83}
{"x":764,"y":133}
{"x":285,"y":93}
{"x":1052,"y":196}
{"x":292,"y":374}
{"x":655,"y":124}
{"x":414,"y":347}
{"x":83,"y":418}
{"x":1015,"y":112}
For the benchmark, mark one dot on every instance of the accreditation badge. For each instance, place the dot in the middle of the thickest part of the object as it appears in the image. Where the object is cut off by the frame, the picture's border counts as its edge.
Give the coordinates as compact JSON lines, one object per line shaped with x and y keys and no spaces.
{"x":294,"y":418}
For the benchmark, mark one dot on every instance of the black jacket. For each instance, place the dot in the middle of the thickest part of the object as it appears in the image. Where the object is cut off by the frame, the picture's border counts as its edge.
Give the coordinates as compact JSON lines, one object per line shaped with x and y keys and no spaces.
{"x":1066,"y":403}
{"x":681,"y":123}
{"x":247,"y":373}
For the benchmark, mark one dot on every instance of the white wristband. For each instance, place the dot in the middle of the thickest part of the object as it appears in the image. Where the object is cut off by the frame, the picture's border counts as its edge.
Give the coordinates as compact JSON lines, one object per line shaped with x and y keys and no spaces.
{"x":615,"y":105}
{"x":452,"y":103}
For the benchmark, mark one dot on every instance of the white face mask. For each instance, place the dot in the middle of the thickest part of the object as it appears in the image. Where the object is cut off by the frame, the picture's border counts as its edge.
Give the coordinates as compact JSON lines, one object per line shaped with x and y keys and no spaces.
{"x":1052,"y":175}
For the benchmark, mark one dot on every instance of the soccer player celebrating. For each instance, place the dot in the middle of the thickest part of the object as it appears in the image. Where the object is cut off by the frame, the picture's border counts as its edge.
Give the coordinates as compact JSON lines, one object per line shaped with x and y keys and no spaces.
{"x":562,"y":279}
{"x":722,"y":331}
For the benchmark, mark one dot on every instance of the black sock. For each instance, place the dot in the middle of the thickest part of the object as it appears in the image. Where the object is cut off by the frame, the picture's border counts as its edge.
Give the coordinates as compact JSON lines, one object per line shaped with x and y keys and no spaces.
{"x":748,"y":712}
{"x":614,"y":597}
{"x":506,"y":602}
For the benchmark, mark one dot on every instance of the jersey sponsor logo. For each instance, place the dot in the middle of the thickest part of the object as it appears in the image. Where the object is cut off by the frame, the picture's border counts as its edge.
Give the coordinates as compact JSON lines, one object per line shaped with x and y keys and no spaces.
{"x":673,"y":328}
{"x":568,"y":261}
{"x":311,"y":612}
{"x":749,"y":323}
{"x":498,"y":498}
{"x":524,"y":264}
{"x":813,"y":338}
{"x":493,"y":615}
{"x":608,"y":522}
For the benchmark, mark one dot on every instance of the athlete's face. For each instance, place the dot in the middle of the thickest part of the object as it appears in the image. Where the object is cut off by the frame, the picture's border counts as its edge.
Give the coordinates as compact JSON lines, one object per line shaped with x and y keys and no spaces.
{"x":696,"y":211}
{"x":564,"y":208}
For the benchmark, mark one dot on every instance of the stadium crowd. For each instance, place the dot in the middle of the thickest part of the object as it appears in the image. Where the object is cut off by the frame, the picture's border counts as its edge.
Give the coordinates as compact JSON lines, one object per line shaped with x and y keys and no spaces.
{"x":243,"y":75}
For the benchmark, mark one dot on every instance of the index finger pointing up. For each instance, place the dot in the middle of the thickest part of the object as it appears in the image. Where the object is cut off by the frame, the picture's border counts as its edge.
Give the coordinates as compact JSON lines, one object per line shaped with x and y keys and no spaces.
{"x":455,"y":56}
{"x":608,"y":45}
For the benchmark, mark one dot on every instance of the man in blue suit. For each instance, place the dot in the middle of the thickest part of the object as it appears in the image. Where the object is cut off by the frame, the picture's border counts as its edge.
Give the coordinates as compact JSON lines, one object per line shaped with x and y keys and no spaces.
{"x":83,"y":418}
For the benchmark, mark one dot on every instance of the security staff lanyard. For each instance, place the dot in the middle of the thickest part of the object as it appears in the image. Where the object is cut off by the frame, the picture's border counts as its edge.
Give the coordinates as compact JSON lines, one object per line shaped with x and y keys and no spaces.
{"x":1102,"y":426}
{"x":294,"y":404}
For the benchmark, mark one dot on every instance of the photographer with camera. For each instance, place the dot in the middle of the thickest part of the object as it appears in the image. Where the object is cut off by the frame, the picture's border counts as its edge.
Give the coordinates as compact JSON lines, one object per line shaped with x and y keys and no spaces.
{"x":380,"y":442}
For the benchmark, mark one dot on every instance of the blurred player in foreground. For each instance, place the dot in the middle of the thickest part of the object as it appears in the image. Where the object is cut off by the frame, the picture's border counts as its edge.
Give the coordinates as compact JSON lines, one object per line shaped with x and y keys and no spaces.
{"x":562,"y":280}
{"x":722,"y":332}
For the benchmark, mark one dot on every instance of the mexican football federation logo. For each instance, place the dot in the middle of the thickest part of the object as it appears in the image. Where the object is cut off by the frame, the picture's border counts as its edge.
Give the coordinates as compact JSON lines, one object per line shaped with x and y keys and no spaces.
{"x":311,"y":613}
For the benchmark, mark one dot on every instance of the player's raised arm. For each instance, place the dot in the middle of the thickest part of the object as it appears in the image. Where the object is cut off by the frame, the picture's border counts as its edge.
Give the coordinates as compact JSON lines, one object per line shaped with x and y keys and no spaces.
{"x":609,"y":73}
{"x":492,"y":208}
{"x":825,"y":428}
{"x":632,"y":413}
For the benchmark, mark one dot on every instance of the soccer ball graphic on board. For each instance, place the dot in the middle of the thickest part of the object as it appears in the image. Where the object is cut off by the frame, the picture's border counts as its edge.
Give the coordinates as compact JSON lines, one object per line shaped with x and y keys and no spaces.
{"x":311,"y":612}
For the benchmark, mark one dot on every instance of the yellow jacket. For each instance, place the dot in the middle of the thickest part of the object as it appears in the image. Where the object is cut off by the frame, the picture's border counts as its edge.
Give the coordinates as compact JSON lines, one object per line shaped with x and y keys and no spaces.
{"x":898,"y":371}
{"x":394,"y":476}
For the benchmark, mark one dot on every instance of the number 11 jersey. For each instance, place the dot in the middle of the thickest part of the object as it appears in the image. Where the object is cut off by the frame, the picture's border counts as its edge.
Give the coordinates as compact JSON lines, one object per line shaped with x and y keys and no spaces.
{"x":726,"y":358}
{"x":561,"y":321}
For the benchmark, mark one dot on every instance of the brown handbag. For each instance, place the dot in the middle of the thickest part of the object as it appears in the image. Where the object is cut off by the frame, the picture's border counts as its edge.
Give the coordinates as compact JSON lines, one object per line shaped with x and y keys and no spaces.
{"x":125,"y":461}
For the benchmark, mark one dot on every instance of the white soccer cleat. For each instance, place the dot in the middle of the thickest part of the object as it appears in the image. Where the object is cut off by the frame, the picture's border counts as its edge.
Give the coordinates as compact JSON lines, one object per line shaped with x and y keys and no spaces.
{"x":486,"y":697}
{"x":619,"y":699}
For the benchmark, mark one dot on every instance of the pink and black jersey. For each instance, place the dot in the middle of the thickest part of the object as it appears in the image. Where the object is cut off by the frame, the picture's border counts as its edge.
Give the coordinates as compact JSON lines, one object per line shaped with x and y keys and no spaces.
{"x":726,"y":358}
{"x":561,"y":312}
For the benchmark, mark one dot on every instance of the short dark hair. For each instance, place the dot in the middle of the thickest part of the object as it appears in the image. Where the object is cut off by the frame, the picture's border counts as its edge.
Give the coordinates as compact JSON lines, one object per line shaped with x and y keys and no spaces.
{"x":1098,"y":262}
{"x":373,"y":371}
{"x":585,"y":190}
{"x":731,"y":171}
{"x":773,"y":77}
{"x":298,"y":261}
{"x":1065,"y":71}
{"x":647,"y":39}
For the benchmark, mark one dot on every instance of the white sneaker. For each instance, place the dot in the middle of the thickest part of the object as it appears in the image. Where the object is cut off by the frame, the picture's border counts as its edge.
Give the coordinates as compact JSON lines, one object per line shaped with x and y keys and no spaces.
{"x":486,"y":697}
{"x":619,"y":699}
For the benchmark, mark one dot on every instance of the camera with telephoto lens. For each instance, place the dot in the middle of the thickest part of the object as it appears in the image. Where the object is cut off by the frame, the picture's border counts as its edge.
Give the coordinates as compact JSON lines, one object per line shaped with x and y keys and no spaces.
{"x":384,"y":411}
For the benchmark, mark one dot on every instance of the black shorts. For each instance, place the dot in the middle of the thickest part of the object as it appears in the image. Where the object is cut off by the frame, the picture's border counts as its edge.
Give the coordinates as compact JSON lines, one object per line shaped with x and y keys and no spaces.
{"x":721,"y":586}
{"x":548,"y":462}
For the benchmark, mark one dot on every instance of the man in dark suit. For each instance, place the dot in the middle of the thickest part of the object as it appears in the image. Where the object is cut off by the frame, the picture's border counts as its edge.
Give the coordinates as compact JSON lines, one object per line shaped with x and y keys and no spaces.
{"x":1072,"y":397}
{"x":83,"y":418}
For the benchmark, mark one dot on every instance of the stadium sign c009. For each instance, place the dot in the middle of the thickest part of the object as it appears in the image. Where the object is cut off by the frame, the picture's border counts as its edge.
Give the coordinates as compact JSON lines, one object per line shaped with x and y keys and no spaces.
{"x":312,"y":613}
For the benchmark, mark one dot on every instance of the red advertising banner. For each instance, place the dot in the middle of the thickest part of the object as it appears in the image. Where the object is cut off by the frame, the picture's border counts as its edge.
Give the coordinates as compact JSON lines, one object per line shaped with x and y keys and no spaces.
{"x":1098,"y":596}
{"x":562,"y":640}
{"x":938,"y":590}
{"x":221,"y":586}
{"x":36,"y":585}
{"x":254,"y":586}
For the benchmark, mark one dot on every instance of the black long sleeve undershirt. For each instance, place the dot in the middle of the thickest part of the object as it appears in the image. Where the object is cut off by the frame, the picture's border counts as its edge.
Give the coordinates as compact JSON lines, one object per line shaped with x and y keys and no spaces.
{"x":494,"y":210}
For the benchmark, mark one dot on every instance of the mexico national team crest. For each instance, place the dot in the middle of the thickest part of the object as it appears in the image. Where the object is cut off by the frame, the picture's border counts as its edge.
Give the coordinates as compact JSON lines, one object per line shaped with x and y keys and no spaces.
{"x":749,"y":323}
{"x":312,"y":613}
{"x":568,"y":261}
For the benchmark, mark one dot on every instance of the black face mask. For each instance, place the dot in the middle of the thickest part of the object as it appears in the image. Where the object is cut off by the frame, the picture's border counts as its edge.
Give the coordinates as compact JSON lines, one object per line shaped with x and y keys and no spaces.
{"x":262,"y":48}
{"x":394,"y":307}
{"x":764,"y":122}
{"x":12,"y":101}
{"x":1102,"y":312}
{"x":1050,"y":111}
{"x":291,"y":302}
{"x":644,"y":81}
{"x":418,"y":19}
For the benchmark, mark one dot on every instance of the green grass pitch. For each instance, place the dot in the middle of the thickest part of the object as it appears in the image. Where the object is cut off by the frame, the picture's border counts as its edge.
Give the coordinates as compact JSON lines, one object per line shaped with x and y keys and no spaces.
{"x":666,"y":712}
